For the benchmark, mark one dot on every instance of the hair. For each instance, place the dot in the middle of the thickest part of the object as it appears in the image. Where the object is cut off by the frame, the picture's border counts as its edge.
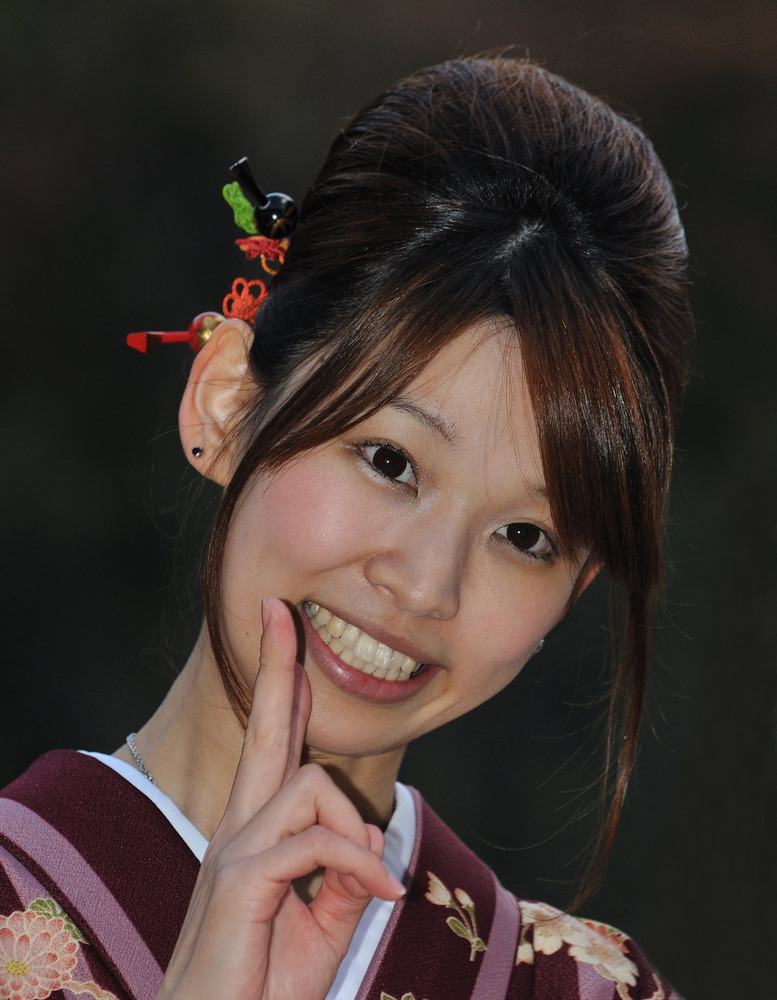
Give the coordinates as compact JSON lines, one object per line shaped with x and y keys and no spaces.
{"x":490,"y":188}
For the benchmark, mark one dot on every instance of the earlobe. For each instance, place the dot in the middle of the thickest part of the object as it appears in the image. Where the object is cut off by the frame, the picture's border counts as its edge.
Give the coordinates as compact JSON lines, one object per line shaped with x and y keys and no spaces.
{"x":218,"y":388}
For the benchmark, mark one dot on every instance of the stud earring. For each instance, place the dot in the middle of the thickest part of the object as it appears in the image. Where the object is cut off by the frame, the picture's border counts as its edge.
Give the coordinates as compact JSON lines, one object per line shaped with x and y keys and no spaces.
{"x":196,"y":451}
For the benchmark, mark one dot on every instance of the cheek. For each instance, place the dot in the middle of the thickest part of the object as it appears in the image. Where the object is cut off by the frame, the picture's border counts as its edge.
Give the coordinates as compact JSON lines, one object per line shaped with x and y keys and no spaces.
{"x":299,"y":522}
{"x":516,"y":617}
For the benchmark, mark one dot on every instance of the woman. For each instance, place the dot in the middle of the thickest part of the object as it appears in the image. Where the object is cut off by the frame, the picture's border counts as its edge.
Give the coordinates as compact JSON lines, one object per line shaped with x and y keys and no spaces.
{"x":454,"y":409}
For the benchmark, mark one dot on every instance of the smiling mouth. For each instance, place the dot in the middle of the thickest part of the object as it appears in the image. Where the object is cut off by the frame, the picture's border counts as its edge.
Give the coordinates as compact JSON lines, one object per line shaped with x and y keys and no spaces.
{"x":358,"y":649}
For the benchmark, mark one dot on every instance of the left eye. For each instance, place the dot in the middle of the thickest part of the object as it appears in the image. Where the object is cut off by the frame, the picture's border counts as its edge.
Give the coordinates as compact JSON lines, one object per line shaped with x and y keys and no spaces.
{"x":389,"y":462}
{"x":529,"y":539}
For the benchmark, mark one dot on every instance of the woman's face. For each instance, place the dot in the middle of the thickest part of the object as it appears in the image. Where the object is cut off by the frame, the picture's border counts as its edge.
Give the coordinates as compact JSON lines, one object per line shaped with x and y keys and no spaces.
{"x":417,"y":548}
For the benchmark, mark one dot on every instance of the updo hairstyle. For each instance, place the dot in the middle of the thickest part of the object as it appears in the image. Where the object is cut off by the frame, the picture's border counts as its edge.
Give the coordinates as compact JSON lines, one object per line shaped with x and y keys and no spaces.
{"x":489,"y":188}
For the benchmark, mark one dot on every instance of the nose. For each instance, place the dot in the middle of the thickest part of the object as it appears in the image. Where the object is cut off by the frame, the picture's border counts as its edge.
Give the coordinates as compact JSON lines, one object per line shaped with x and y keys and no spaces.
{"x":422,"y":566}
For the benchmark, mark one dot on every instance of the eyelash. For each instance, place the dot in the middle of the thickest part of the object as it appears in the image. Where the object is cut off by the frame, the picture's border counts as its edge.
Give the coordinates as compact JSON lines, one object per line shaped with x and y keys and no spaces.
{"x":547,"y":557}
{"x":364,"y":451}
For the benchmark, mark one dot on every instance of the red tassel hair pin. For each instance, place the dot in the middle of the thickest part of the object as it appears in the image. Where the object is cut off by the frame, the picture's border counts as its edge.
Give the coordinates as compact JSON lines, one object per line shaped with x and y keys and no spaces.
{"x":268,"y":219}
{"x":200,"y":329}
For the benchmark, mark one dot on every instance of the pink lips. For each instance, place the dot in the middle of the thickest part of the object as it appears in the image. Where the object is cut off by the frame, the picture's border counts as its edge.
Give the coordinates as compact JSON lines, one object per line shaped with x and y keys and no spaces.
{"x":355,"y":682}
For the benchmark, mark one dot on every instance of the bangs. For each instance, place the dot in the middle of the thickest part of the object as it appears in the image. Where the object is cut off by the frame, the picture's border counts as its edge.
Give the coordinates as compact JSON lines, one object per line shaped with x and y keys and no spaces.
{"x":602,"y":413}
{"x":603,"y":416}
{"x":382,"y":342}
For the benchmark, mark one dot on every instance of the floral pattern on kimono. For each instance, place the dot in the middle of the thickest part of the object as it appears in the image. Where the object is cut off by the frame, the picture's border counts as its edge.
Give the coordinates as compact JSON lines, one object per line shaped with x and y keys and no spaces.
{"x":85,"y":857}
{"x":39,"y":953}
{"x":546,"y":931}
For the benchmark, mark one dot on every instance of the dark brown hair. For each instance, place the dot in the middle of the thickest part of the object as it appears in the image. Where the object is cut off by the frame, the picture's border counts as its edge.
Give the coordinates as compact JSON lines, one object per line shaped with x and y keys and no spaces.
{"x":484,"y":188}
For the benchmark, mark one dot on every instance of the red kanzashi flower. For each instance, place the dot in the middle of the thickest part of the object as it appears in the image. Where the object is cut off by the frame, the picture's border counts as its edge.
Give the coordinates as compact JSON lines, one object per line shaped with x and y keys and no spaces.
{"x":244,"y":299}
{"x":37,"y":955}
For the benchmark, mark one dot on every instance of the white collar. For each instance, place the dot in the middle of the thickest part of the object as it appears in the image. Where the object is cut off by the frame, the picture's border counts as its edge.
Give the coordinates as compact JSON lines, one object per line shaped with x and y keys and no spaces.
{"x":400,"y":838}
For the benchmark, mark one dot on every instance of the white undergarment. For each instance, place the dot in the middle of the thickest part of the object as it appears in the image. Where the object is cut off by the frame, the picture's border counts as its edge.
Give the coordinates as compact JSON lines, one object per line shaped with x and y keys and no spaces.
{"x":400,"y":837}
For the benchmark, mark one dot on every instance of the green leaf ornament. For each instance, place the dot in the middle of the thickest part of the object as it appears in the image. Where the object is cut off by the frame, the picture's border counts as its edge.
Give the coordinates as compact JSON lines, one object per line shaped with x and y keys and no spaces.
{"x":241,"y":209}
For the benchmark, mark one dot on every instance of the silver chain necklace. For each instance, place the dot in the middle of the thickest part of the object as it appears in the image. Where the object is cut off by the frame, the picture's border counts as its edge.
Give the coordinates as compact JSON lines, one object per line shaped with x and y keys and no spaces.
{"x":137,"y":758}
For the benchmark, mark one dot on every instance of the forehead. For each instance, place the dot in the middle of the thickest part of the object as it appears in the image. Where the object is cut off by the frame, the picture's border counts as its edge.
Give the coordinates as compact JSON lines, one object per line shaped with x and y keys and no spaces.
{"x":473,"y":394}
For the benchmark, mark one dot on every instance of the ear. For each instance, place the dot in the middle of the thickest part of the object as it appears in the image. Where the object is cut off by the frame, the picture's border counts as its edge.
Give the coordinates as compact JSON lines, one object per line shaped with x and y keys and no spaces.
{"x":219,"y":385}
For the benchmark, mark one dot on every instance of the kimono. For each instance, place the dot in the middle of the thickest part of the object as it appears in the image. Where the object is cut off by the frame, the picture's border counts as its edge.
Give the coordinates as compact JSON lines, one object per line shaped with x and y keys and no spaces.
{"x":95,"y":883}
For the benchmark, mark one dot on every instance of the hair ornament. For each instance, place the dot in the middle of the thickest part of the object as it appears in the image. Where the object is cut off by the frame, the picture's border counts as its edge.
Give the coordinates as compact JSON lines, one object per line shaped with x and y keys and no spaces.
{"x":200,"y":329}
{"x":267,"y":219}
{"x":273,"y":215}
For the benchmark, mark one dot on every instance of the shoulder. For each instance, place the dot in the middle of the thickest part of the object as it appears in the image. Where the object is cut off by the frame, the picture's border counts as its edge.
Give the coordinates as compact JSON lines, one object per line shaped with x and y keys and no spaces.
{"x":88,"y":857}
{"x":553,"y":954}
{"x":70,"y":804}
{"x":63,"y":783}
{"x":43,"y":947}
{"x":592,"y":959}
{"x":70,"y":816}
{"x":61,"y":817}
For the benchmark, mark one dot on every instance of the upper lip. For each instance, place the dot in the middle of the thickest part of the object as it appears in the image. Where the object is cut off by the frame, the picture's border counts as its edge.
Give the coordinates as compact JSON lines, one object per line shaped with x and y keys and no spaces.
{"x":391,"y":639}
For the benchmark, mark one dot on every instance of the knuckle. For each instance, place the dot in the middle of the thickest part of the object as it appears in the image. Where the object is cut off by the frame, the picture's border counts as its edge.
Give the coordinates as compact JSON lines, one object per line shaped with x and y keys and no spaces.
{"x":317,"y":838}
{"x":313,"y":776}
{"x":227,"y":875}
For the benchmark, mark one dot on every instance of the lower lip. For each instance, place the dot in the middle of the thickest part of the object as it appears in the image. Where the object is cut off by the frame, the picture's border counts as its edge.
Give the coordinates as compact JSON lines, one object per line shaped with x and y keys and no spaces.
{"x":355,"y":682}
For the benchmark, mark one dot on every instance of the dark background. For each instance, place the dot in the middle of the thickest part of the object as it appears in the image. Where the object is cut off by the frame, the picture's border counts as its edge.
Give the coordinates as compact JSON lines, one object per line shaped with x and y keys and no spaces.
{"x":117,"y":124}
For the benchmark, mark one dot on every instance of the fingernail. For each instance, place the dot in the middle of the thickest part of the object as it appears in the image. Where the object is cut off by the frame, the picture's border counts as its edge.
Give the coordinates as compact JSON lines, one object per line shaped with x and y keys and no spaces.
{"x":265,"y":614}
{"x":399,"y":889}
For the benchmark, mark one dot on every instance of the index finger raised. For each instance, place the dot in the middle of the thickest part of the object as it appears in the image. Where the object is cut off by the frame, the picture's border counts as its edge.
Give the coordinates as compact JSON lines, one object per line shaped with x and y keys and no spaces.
{"x":278,"y":717}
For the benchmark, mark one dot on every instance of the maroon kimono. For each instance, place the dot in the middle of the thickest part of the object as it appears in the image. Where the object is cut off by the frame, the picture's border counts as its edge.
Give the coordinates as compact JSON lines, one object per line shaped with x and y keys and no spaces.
{"x":95,"y":883}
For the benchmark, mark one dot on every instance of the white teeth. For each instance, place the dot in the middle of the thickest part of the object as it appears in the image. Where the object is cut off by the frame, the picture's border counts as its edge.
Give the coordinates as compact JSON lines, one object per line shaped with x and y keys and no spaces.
{"x":358,"y":649}
{"x":335,"y":626}
{"x":350,"y":636}
{"x":382,"y":655}
{"x":365,"y":646}
{"x":322,"y":616}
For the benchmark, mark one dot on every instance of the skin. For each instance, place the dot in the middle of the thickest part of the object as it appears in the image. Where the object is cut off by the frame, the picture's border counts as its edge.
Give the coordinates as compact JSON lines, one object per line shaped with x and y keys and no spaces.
{"x":420,"y":559}
{"x":246,"y":928}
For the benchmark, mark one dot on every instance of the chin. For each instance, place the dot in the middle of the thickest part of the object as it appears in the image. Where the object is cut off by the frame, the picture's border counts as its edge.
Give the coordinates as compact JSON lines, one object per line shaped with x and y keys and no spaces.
{"x":324,"y":742}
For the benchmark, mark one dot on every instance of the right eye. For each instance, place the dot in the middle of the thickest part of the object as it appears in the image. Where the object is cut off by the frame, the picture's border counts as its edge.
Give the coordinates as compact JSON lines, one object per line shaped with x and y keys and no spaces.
{"x":390,"y":462}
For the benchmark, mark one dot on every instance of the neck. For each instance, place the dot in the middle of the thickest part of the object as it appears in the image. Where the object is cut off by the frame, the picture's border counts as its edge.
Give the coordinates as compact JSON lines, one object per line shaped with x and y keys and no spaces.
{"x":192,"y":746}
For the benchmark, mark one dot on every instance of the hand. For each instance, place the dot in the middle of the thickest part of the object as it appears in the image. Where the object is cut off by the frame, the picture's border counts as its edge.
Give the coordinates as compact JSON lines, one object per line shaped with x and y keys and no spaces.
{"x":247,"y":935}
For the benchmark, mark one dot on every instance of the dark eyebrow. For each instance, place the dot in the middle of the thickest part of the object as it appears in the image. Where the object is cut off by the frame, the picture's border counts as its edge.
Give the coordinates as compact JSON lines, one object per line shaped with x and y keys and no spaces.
{"x":431,"y":420}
